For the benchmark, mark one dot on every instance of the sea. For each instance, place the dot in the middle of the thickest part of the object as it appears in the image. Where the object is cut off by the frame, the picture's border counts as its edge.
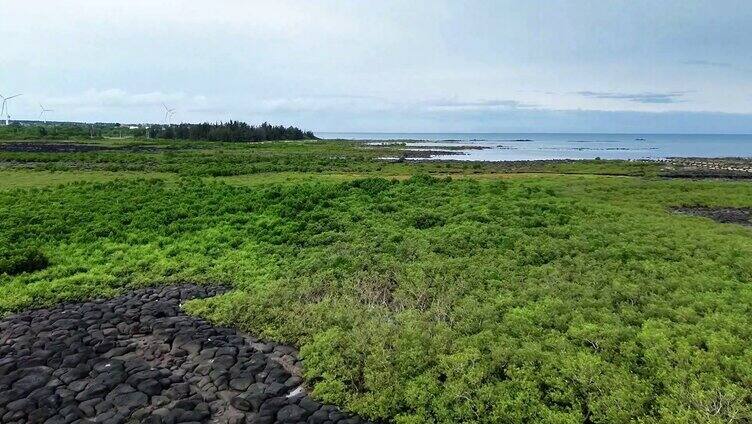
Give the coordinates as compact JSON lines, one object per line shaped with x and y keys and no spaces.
{"x":542,"y":146}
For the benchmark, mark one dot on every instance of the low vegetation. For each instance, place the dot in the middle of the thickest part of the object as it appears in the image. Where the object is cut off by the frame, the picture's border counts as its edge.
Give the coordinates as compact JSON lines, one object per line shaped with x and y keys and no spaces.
{"x":63,"y":131}
{"x":468,"y":295}
{"x":14,"y":261}
{"x":207,"y":159}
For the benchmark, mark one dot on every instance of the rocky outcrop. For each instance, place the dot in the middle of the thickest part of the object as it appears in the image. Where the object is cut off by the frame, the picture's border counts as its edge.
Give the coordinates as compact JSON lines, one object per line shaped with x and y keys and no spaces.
{"x":138,"y":358}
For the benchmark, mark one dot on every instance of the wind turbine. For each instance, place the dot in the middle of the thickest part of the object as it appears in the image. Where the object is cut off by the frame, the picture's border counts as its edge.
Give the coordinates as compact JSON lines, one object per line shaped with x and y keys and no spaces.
{"x":5,"y":109}
{"x":168,"y":114}
{"x":42,"y":111}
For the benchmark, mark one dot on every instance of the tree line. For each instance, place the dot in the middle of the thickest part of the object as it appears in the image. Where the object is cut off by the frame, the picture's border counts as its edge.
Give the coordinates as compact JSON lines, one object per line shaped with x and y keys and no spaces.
{"x":235,"y":131}
{"x":232,"y":131}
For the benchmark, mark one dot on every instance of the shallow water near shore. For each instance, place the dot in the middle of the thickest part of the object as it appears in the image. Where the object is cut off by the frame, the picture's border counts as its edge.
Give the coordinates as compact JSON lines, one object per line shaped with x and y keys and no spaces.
{"x":541,"y":146}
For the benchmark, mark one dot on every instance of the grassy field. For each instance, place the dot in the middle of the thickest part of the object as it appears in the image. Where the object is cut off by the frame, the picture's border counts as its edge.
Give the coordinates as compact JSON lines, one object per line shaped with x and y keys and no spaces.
{"x":233,"y":159}
{"x":10,"y":179}
{"x":417,"y":292}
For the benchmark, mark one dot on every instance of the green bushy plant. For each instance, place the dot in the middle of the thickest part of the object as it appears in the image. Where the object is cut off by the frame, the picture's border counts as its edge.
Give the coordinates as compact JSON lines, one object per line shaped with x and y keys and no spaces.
{"x":14,"y":261}
{"x":536,"y":299}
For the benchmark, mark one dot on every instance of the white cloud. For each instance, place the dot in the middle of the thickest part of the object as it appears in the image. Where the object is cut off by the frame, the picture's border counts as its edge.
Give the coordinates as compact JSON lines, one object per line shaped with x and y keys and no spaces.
{"x":645,"y":97}
{"x":277,"y":60}
{"x":477,"y":105}
{"x":118,"y":98}
{"x":118,"y":105}
{"x":332,"y":103}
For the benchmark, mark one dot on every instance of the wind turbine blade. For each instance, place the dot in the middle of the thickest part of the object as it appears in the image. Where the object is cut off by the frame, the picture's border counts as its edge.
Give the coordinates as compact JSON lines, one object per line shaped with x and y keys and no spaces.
{"x":11,"y":97}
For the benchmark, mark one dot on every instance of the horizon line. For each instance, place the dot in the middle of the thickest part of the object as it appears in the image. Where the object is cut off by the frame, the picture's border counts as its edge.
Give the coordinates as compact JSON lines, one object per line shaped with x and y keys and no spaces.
{"x":526,"y":132}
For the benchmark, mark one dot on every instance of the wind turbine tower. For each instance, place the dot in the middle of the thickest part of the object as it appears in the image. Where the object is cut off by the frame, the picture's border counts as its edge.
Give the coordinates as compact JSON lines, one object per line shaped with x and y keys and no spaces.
{"x":5,"y":110}
{"x":168,"y":114}
{"x":42,"y":111}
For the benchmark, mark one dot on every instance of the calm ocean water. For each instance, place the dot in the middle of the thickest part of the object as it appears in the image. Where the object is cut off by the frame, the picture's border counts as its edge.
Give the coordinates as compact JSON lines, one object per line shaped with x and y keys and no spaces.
{"x":532,"y":146}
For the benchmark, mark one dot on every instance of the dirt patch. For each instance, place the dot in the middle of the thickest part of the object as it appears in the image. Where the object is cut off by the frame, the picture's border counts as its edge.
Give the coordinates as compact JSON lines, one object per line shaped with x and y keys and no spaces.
{"x":707,"y":173}
{"x":741,"y":216}
{"x":50,"y":147}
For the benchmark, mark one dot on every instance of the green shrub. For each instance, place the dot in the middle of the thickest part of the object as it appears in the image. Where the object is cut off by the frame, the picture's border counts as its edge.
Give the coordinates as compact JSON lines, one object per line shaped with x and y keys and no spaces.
{"x":20,"y":260}
{"x":427,"y":220}
{"x":539,"y":299}
{"x":372,"y":186}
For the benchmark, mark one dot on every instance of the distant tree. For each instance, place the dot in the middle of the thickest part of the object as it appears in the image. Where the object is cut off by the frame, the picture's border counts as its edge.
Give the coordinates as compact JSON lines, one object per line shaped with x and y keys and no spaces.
{"x":231,"y":131}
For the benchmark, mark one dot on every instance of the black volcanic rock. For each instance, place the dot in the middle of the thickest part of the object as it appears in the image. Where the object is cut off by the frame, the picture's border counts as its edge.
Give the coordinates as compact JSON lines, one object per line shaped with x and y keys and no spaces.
{"x":138,"y":358}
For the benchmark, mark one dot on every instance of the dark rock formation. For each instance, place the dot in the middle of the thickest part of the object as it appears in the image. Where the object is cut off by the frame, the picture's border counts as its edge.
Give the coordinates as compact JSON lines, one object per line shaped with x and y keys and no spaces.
{"x":138,"y":358}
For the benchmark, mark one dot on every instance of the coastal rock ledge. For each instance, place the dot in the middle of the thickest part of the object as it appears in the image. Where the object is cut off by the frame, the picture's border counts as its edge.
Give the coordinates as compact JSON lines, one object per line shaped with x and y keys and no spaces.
{"x":137,"y":358}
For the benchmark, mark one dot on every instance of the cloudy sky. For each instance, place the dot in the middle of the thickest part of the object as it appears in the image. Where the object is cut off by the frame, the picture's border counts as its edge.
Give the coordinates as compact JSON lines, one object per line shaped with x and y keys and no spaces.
{"x":421,"y":66}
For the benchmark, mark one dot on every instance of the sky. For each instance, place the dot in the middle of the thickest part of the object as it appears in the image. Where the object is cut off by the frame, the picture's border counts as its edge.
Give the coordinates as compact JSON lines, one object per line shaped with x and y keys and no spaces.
{"x":672,"y":66}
